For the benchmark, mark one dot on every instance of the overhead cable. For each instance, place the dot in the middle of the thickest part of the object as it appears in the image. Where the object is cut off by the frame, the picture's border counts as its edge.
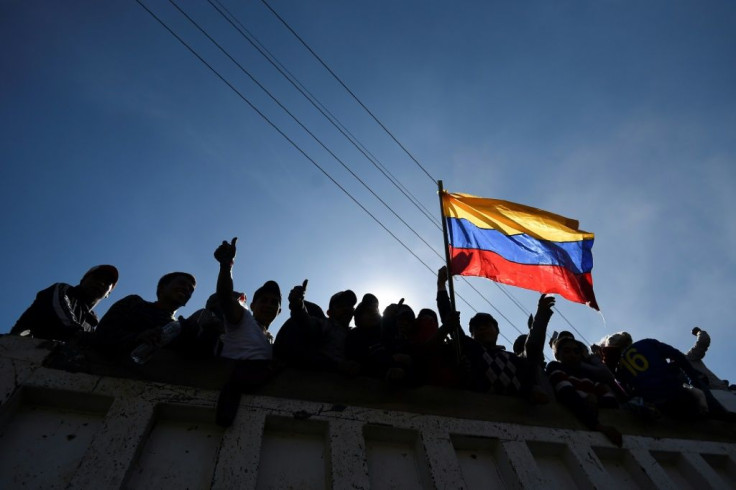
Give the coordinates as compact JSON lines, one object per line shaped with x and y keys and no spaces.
{"x":253,"y":40}
{"x":325,"y":147}
{"x":339,"y":80}
{"x":284,"y":135}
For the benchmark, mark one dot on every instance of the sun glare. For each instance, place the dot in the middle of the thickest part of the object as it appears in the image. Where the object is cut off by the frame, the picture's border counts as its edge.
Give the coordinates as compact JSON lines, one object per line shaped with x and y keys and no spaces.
{"x":393,"y":294}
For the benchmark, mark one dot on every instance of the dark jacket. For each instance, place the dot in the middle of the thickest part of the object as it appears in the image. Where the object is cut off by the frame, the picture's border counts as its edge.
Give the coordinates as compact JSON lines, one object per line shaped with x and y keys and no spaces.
{"x":57,"y":313}
{"x":125,"y":320}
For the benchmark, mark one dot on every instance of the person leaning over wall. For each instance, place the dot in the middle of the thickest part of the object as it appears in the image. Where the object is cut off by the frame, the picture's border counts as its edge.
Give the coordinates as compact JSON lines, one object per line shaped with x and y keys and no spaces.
{"x":64,"y":312}
{"x":133,"y":321}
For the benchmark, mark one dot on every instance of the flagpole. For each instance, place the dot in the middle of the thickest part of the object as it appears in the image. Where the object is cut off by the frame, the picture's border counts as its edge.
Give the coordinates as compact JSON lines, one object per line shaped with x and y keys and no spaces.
{"x":451,"y":287}
{"x":447,"y":246}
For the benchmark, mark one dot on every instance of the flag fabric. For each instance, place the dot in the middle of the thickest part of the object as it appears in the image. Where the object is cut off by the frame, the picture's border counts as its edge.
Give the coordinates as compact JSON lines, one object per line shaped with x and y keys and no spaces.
{"x":519,"y":245}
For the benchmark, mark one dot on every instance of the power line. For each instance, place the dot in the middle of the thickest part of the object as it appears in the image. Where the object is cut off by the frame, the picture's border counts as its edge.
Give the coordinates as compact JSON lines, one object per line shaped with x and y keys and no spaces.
{"x":253,"y":40}
{"x":274,"y":126}
{"x":339,"y":80}
{"x":573,"y":327}
{"x":512,"y":298}
{"x":325,"y":147}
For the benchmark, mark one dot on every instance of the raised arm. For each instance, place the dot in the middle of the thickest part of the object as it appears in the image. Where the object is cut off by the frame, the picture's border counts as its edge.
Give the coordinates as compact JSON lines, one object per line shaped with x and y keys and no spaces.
{"x":443,"y":299}
{"x":679,"y":359}
{"x":534,"y":345}
{"x":697,"y":351}
{"x":296,"y":303}
{"x":225,"y":255}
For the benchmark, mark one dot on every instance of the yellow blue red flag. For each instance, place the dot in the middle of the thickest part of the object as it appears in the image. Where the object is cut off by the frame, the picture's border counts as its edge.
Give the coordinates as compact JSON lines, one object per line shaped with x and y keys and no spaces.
{"x":519,"y":245}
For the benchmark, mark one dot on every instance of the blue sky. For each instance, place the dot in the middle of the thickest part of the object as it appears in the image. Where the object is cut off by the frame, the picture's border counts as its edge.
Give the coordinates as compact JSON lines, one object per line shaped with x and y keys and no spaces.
{"x":119,"y":146}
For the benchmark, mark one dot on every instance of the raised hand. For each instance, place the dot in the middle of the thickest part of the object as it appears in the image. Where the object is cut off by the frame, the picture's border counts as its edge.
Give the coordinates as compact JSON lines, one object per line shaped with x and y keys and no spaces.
{"x":442,"y":275}
{"x":296,"y":295}
{"x":225,"y":253}
{"x":545,"y":304}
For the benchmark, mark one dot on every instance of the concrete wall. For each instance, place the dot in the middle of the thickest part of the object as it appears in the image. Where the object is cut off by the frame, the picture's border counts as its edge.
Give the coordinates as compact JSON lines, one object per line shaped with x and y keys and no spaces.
{"x":81,"y":430}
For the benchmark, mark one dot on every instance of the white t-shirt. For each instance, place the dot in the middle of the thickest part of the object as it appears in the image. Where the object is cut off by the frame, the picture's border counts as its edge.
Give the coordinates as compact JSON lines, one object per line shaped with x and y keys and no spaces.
{"x":246,"y":340}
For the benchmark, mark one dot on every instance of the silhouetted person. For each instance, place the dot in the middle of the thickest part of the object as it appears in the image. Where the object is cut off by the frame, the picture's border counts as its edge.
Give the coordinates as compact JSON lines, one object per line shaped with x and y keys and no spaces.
{"x":208,"y":326}
{"x":246,"y":337}
{"x":519,"y":344}
{"x":133,"y":321}
{"x":363,"y":343}
{"x":63,"y":312}
{"x":246,"y":332}
{"x":579,"y":390}
{"x":654,"y":371}
{"x":309,"y":340}
{"x":397,"y":329}
{"x":426,"y":326}
{"x":696,"y":354}
{"x":434,"y":359}
{"x":492,"y":368}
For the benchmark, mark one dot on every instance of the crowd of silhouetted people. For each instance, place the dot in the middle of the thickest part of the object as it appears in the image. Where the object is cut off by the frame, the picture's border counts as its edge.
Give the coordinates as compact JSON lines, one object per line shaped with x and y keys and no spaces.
{"x":397,"y":345}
